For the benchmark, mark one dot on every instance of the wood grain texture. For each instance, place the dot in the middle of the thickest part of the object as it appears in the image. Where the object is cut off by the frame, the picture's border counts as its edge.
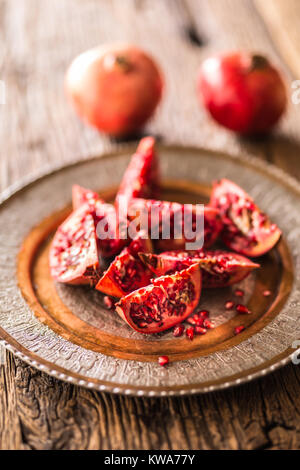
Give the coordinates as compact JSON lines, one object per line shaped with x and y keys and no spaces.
{"x":281,"y":18}
{"x":37,"y":128}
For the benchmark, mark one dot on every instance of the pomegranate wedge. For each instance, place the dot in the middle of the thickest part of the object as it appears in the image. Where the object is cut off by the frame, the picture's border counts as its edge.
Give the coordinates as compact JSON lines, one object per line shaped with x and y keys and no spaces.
{"x":141,"y":178}
{"x":108,"y":233}
{"x":109,"y":229}
{"x":127,"y":273}
{"x":219,"y":268}
{"x":247,"y":229}
{"x":82,"y":195}
{"x":175,"y":224}
{"x":73,"y":253}
{"x":160,"y":306}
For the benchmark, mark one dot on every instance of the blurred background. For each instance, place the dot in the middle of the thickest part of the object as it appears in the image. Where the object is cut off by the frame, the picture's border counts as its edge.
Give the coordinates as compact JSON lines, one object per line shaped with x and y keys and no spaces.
{"x":39,"y":131}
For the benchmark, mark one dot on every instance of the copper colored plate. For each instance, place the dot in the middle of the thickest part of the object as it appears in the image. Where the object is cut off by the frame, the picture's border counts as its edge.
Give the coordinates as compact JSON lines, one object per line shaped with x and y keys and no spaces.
{"x":71,"y":335}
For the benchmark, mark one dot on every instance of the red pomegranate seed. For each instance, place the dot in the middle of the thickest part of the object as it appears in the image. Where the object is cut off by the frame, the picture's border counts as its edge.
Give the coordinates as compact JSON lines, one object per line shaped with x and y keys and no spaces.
{"x":238,"y":329}
{"x":191,"y":321}
{"x":208,"y":324}
{"x":240,"y":308}
{"x":229,"y":305}
{"x":267,"y":293}
{"x":239,"y":293}
{"x":203,"y":313}
{"x":190,"y":332}
{"x":163,"y":360}
{"x":178,"y":330}
{"x":199,"y":321}
{"x":200,"y":331}
{"x":108,"y":302}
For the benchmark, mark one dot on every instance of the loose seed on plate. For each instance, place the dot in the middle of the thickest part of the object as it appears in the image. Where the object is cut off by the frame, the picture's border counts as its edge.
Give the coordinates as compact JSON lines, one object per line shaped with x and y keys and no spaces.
{"x":239,"y":293}
{"x":229,"y":305}
{"x":163,"y":360}
{"x":240,"y":308}
{"x":204,"y":313}
{"x":108,"y":302}
{"x":178,"y":330}
{"x":267,"y":293}
{"x":208,"y":324}
{"x":199,"y":321}
{"x":238,"y":329}
{"x":190,"y":332}
{"x":200,"y":331}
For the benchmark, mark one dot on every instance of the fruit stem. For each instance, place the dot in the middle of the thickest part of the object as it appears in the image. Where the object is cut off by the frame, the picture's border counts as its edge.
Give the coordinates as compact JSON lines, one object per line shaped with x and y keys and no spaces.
{"x":258,"y":62}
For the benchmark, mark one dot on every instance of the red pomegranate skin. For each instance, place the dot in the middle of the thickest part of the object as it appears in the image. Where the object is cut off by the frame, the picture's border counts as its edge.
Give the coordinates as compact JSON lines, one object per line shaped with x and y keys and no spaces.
{"x":242,"y":91}
{"x":115,"y":88}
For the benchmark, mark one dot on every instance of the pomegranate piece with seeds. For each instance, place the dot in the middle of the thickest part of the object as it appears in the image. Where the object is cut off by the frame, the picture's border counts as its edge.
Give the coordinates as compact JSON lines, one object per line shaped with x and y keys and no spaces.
{"x":169,"y":300}
{"x":219,"y":268}
{"x":127,"y":273}
{"x":111,"y":230}
{"x":73,"y":256}
{"x":247,"y":230}
{"x":141,"y":178}
{"x":173,"y":225}
{"x":82,"y":195}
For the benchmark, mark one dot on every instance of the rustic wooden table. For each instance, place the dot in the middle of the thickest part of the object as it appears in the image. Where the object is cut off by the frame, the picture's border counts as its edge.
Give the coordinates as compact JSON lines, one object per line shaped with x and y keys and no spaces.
{"x":38,"y":38}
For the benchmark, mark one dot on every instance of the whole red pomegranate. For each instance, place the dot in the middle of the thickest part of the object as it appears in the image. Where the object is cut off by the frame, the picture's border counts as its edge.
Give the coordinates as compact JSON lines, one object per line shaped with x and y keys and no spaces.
{"x":242,"y":92}
{"x":115,"y":88}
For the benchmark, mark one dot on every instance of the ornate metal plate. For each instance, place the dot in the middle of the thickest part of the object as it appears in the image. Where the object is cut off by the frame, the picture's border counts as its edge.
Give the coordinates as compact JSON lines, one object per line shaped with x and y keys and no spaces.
{"x":67,"y":332}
